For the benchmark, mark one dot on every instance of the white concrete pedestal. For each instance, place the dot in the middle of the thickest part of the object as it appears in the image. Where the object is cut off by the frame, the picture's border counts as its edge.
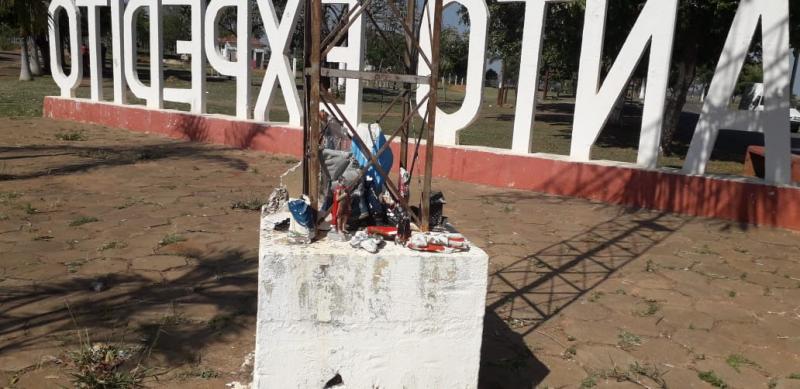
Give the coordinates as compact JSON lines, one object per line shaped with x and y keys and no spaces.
{"x":396,"y":319}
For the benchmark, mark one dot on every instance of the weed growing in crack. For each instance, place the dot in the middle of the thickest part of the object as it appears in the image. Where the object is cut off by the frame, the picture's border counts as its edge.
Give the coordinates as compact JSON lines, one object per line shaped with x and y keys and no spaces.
{"x":737,"y":360}
{"x":712,"y":378}
{"x":83,"y":220}
{"x":72,"y":136}
{"x":171,"y":239}
{"x":252,"y":204}
{"x":651,"y":308}
{"x":628,"y":340}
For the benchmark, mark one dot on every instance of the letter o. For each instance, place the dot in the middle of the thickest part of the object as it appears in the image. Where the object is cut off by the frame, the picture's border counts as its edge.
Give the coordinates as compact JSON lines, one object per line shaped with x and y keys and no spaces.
{"x":449,"y":124}
{"x":67,"y":83}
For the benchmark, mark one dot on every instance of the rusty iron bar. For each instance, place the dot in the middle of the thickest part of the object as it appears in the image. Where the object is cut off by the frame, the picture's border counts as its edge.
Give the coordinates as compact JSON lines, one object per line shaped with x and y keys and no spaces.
{"x":343,"y":29}
{"x":375,"y":76}
{"x":409,"y":63}
{"x":390,"y":186}
{"x":338,"y":27}
{"x":410,"y":32}
{"x":391,"y":105}
{"x":312,"y":152}
{"x":306,"y":93}
{"x":432,"y":106}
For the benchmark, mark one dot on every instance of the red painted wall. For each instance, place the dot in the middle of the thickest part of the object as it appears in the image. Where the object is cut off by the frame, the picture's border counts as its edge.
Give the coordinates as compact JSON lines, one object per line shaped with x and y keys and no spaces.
{"x":732,"y":199}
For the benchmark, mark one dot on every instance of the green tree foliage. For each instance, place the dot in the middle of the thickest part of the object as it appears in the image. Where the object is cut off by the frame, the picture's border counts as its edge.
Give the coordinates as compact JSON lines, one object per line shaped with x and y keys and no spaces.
{"x":454,"y":51}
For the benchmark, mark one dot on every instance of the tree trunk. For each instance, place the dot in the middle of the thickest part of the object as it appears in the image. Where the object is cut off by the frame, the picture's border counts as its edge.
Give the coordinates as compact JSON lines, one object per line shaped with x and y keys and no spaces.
{"x":44,"y":50}
{"x":546,"y":83}
{"x":686,"y":63}
{"x":25,"y":67}
{"x":35,"y":58}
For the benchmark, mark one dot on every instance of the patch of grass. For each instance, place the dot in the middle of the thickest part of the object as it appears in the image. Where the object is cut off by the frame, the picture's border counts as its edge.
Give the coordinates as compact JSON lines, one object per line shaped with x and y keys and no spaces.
{"x":105,"y":366}
{"x":621,"y":292}
{"x":173,"y":320}
{"x":71,"y":136}
{"x":596,"y":296}
{"x":737,"y":360}
{"x":252,"y":204}
{"x":794,"y":376}
{"x":571,"y":338}
{"x":712,"y":378}
{"x":114,"y":244}
{"x":171,"y":239}
{"x":634,"y":373}
{"x":129,"y":203}
{"x":651,"y":307}
{"x":706,"y":250}
{"x":205,"y":373}
{"x":773,"y":383}
{"x":628,"y":340}
{"x":220,"y":322}
{"x":569,"y":352}
{"x":3,"y":217}
{"x":30,"y":209}
{"x":588,"y":382}
{"x":83,"y":220}
{"x":732,"y":294}
{"x":74,"y":266}
{"x":96,"y":154}
{"x":8,"y":196}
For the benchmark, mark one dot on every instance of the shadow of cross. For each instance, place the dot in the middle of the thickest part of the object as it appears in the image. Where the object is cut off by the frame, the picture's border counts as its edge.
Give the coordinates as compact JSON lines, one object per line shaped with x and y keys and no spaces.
{"x":537,"y":287}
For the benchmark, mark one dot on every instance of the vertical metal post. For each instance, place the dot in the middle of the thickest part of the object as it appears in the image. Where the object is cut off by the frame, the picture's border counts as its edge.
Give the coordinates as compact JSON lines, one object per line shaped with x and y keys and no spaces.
{"x":313,"y":104}
{"x":306,"y":89}
{"x":409,"y":61}
{"x":432,"y":106}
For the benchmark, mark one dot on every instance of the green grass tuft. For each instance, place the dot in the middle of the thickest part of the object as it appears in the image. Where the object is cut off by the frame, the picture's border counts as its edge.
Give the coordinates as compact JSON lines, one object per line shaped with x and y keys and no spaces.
{"x":83,"y":220}
{"x":628,"y":340}
{"x":71,"y":136}
{"x":171,"y":239}
{"x":737,"y":360}
{"x":712,"y":378}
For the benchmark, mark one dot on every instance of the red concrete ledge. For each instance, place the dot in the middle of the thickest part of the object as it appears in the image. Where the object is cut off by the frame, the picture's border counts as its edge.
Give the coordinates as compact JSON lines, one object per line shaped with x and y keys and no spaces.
{"x":741,"y":200}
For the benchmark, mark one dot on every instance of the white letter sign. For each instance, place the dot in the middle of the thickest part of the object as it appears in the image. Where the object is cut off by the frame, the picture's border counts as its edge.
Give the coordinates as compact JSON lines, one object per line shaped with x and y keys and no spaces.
{"x":528,"y":73}
{"x":278,"y":70}
{"x":95,"y":66}
{"x":656,"y":27}
{"x":67,"y":84}
{"x":195,"y":96}
{"x":773,"y":121}
{"x":154,"y":94}
{"x":240,"y":69}
{"x":449,"y":124}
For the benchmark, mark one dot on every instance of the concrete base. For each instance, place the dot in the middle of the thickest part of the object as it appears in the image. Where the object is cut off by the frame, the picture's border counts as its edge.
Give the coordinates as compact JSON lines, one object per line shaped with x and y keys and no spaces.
{"x":396,"y":319}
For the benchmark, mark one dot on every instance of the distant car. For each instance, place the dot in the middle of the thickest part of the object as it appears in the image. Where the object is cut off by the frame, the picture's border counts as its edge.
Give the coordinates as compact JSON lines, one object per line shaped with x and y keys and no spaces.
{"x":794,"y":118}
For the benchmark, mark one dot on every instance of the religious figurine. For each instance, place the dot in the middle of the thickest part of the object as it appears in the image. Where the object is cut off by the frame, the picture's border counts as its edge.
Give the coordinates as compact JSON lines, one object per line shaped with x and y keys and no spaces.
{"x":340,"y":211}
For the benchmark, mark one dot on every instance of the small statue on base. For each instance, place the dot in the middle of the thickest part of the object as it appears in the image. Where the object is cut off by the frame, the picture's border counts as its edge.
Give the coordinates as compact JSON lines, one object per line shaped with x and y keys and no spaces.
{"x":340,"y":211}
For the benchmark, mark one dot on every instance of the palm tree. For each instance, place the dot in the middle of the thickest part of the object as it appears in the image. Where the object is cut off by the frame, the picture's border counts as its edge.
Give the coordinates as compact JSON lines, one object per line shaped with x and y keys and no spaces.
{"x":36,"y":59}
{"x":29,"y":17}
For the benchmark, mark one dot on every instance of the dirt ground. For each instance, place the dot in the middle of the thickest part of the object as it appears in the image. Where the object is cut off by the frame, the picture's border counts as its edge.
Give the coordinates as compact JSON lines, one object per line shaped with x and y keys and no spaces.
{"x":132,"y":238}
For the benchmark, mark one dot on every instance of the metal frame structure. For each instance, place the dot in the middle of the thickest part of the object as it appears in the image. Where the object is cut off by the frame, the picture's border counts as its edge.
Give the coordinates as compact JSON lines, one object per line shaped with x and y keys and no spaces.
{"x":316,"y":49}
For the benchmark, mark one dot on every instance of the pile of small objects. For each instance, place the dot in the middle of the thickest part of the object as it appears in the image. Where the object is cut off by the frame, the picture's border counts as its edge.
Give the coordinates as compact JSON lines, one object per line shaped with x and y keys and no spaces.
{"x":356,"y":205}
